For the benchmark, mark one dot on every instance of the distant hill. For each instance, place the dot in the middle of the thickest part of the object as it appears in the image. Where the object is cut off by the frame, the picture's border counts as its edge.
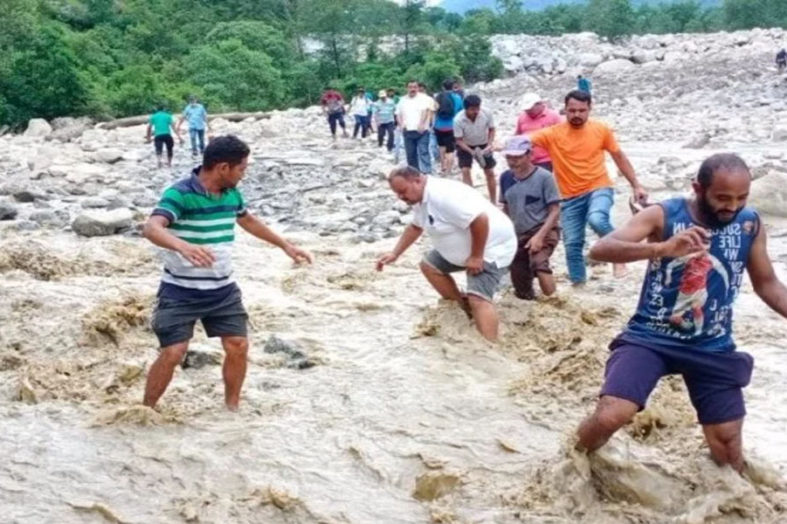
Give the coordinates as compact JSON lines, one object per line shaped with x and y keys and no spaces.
{"x":461,"y":6}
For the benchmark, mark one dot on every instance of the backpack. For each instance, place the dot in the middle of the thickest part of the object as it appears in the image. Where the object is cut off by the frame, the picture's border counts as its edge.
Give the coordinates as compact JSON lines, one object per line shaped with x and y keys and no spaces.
{"x":445,"y":106}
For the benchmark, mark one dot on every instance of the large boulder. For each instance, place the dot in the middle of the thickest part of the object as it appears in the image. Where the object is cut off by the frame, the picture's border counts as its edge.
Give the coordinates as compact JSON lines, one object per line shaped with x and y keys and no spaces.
{"x":780,"y":134}
{"x":110,"y":155}
{"x":590,"y":59}
{"x":769,"y":194}
{"x":102,"y":223}
{"x":614,"y":67}
{"x":38,"y":128}
{"x":68,"y":128}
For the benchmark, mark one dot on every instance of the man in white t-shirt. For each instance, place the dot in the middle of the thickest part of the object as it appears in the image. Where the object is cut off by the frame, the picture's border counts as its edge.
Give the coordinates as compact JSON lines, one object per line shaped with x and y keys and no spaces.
{"x":413,"y":114}
{"x":469,"y":234}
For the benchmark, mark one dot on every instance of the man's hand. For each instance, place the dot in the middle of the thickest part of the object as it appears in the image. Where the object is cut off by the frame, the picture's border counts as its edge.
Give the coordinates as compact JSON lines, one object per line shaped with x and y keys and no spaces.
{"x":689,"y":242}
{"x":640,"y":194}
{"x":487,"y":150}
{"x":298,"y":255}
{"x":198,"y":255}
{"x":535,"y":244}
{"x":384,"y":260}
{"x":474,"y":265}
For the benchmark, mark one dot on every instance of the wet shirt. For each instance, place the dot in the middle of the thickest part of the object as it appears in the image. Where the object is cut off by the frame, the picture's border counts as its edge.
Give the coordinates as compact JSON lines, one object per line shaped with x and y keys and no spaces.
{"x":528,"y":199}
{"x":446,"y":212}
{"x":447,"y":124}
{"x":578,"y":155}
{"x":687,"y":302}
{"x":474,"y":132}
{"x":196,"y":116}
{"x":384,"y":111}
{"x":161,"y":122}
{"x":204,"y":219}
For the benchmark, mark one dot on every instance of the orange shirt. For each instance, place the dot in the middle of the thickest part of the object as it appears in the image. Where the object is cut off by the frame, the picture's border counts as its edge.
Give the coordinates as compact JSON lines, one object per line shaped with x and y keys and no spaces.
{"x":578,"y":155}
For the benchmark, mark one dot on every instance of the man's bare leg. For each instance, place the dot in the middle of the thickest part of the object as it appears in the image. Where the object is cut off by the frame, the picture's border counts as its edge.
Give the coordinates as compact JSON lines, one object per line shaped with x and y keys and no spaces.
{"x":485,"y":316}
{"x":449,"y":163}
{"x":442,"y":283}
{"x":491,"y":184}
{"x":443,"y":153}
{"x":546,"y":282}
{"x":619,"y":270}
{"x":466,"y":177}
{"x":160,"y":373}
{"x":726,"y":443}
{"x":234,"y":371}
{"x":611,"y":414}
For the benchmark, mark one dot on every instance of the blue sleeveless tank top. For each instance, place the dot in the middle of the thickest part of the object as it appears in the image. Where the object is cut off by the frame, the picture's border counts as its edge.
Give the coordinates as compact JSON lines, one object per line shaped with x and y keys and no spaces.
{"x":687,"y":302}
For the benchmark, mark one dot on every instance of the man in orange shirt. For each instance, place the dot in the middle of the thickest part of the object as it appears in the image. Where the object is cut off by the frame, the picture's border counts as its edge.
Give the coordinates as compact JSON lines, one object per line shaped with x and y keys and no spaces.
{"x":536,"y":115}
{"x":577,"y":150}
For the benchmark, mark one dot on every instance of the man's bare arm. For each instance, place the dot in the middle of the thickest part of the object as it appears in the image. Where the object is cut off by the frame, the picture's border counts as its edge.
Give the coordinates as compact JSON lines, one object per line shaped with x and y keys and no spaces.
{"x":411,"y":234}
{"x":479,"y":232}
{"x":156,"y":231}
{"x":625,"y":167}
{"x":259,"y":229}
{"x":766,"y":284}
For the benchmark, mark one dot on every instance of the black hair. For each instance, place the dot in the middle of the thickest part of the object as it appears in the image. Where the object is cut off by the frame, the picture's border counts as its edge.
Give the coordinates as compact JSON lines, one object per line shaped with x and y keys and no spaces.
{"x":406,"y":172}
{"x":227,"y":148}
{"x":580,"y":96}
{"x":448,"y":84}
{"x":472,"y":101}
{"x":421,"y":85}
{"x":160,"y":107}
{"x":719,"y":162}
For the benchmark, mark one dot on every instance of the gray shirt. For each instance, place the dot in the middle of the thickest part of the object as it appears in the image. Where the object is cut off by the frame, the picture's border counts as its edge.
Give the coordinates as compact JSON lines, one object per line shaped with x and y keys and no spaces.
{"x":528,"y":199}
{"x":474,"y":133}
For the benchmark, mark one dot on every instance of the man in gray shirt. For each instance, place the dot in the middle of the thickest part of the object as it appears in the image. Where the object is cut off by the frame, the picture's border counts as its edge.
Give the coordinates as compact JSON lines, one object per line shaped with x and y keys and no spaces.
{"x":529,"y":196}
{"x":474,"y":130}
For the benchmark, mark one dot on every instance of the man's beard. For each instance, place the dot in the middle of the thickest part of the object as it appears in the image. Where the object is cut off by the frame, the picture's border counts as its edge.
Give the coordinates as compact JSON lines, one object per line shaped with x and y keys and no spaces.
{"x":710,"y":216}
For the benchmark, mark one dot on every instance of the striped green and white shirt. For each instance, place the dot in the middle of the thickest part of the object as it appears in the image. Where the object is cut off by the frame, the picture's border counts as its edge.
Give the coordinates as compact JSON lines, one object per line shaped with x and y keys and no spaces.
{"x":201,"y":218}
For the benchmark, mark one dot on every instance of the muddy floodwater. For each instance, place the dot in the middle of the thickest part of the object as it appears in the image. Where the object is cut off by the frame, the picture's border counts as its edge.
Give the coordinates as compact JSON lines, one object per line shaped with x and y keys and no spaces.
{"x":393,"y":410}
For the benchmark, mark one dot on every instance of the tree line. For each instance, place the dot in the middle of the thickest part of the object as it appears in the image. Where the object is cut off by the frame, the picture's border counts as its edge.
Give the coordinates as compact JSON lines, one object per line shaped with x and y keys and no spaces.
{"x":113,"y":58}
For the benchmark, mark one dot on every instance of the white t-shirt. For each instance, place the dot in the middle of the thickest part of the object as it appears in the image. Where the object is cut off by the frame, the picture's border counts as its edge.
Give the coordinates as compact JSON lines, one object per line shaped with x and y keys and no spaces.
{"x":411,"y":109}
{"x":445,"y":213}
{"x":359,"y":106}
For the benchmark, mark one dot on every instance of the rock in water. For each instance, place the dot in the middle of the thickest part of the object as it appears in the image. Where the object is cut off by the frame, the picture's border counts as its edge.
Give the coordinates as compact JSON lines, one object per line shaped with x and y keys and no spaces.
{"x":7,"y":211}
{"x":276,"y":345}
{"x":102,"y":223}
{"x":38,"y":128}
{"x":769,"y":194}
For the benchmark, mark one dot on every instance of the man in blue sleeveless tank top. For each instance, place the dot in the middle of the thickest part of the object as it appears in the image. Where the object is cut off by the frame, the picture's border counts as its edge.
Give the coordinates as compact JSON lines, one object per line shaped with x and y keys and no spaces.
{"x":698,"y":251}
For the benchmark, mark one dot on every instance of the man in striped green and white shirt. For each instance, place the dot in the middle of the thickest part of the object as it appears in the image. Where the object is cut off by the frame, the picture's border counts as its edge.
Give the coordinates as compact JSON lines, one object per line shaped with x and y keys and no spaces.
{"x":195,"y":222}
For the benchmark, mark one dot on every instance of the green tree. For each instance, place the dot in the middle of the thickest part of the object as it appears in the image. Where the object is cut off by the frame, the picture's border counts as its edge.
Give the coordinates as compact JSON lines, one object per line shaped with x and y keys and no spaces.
{"x":236,"y":76}
{"x":610,"y":18}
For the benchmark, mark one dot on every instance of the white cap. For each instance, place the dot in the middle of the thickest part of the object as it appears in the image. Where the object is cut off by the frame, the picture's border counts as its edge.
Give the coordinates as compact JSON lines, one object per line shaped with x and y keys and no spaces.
{"x":529,"y":100}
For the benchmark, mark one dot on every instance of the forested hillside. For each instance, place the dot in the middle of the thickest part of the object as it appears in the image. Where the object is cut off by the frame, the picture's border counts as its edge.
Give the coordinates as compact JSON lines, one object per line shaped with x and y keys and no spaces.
{"x":109,"y":58}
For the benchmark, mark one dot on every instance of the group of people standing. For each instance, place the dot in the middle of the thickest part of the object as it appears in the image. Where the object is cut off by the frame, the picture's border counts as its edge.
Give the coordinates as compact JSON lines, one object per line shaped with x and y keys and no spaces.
{"x":162,"y":128}
{"x":697,"y":251}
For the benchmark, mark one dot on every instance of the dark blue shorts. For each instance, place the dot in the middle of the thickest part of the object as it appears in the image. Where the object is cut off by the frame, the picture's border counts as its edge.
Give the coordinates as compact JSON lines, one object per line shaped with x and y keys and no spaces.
{"x":715,"y":380}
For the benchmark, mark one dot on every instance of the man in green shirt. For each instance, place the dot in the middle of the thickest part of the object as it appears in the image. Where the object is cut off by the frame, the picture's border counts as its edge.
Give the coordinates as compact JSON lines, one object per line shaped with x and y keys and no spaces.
{"x":195,"y":224}
{"x":161,"y":122}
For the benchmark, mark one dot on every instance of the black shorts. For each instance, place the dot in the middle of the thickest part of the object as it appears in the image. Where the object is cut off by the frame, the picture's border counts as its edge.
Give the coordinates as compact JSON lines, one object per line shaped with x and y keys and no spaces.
{"x":173,"y":320}
{"x":163,"y":140}
{"x":445,"y":138}
{"x":465,"y":159}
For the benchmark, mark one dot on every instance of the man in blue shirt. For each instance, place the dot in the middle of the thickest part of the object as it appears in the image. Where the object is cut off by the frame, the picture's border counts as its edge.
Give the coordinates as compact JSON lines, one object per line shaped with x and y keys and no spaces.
{"x":384,"y":110}
{"x":583,"y":84}
{"x":198,"y":123}
{"x":449,"y":104}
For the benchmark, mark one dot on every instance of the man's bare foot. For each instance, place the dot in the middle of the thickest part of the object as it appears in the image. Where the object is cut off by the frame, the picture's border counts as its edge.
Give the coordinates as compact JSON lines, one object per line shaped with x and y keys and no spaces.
{"x":619,"y":270}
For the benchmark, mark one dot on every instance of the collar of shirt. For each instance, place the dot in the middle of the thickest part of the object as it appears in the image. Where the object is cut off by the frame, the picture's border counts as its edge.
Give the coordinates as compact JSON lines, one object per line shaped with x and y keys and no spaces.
{"x":196,"y":184}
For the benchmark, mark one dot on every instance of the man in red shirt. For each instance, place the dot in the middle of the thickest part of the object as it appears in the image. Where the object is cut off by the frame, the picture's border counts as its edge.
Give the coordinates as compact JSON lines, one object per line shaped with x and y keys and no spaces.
{"x":332,"y":103}
{"x":536,"y":115}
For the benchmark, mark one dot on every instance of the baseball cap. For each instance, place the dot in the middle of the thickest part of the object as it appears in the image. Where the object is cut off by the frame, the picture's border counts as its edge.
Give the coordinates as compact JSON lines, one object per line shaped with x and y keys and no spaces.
{"x":517,"y":146}
{"x":529,"y":100}
{"x":382,"y":93}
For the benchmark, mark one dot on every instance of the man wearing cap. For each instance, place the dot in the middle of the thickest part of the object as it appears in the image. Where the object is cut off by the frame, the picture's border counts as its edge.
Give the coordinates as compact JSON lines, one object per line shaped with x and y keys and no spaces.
{"x":536,"y":115}
{"x":529,"y":196}
{"x":469,"y":234}
{"x":383,"y":113}
{"x":577,"y":149}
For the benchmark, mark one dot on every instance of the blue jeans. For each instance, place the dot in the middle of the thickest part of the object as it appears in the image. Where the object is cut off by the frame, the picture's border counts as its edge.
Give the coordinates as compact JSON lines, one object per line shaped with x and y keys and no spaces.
{"x":416,"y":147}
{"x":434,"y":151}
{"x":398,"y":145}
{"x":197,"y":137}
{"x":362,"y":124}
{"x":575,"y":214}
